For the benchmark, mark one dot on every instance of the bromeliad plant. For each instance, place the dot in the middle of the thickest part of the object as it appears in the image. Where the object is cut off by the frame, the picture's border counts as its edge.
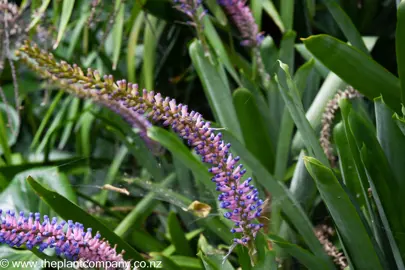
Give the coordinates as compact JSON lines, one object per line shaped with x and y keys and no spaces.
{"x":241,"y":199}
{"x":321,"y":183}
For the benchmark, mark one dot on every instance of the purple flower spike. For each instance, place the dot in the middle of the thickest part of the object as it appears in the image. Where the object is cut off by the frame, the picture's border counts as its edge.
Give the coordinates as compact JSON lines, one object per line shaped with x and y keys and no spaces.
{"x":69,"y":239}
{"x":238,"y":196}
{"x":242,"y":17}
{"x":189,"y":7}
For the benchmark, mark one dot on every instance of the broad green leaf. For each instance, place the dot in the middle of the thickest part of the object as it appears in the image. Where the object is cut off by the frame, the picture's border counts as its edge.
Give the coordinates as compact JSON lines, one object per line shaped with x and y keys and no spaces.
{"x":356,"y":240}
{"x":292,"y":100}
{"x":345,"y":109}
{"x":329,"y":88}
{"x":216,"y":89}
{"x":70,"y":211}
{"x":67,"y":9}
{"x":392,"y":141}
{"x":256,"y":7}
{"x":400,"y":44}
{"x":347,"y":164}
{"x":186,"y":263}
{"x":307,"y":55}
{"x":254,"y":132}
{"x":346,"y":25}
{"x":177,"y":236}
{"x":384,"y":188}
{"x":218,"y":46}
{"x":117,"y":31}
{"x":303,"y":256}
{"x":287,"y":13}
{"x":356,"y":68}
{"x":302,"y":186}
{"x":287,"y":123}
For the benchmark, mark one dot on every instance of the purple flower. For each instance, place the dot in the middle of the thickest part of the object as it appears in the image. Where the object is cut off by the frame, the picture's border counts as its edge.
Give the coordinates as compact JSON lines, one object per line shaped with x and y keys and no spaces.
{"x":243,"y":19}
{"x":188,"y":7}
{"x":240,"y":198}
{"x":69,"y":239}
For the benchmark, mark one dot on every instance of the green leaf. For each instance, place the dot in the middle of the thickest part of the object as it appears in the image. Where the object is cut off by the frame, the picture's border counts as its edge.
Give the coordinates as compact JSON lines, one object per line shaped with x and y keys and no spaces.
{"x":292,"y":99}
{"x":70,"y":211}
{"x":357,"y":242}
{"x":384,"y":187}
{"x":117,"y":31}
{"x":356,"y":68}
{"x":287,"y":13}
{"x":186,"y":263}
{"x":177,"y":236}
{"x":346,"y":25}
{"x":287,"y":123}
{"x":216,"y":89}
{"x":217,"y":44}
{"x":302,"y":255}
{"x":271,"y":10}
{"x":254,"y":132}
{"x":132,"y":46}
{"x":400,"y":44}
{"x":67,"y":9}
{"x":392,"y":141}
{"x":346,"y":160}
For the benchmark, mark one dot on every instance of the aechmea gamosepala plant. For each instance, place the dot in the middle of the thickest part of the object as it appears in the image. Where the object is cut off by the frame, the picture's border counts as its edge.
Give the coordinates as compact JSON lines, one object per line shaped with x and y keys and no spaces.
{"x":240,"y":198}
{"x":69,"y":240}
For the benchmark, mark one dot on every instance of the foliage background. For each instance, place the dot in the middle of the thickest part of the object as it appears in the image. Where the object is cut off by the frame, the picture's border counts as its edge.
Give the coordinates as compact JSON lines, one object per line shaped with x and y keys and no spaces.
{"x":75,"y":147}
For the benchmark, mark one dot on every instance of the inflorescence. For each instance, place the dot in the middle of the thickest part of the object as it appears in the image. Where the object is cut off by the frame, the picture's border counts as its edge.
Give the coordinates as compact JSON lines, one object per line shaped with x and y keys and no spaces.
{"x":327,"y":120}
{"x":68,"y":239}
{"x":243,"y":19}
{"x":240,"y":199}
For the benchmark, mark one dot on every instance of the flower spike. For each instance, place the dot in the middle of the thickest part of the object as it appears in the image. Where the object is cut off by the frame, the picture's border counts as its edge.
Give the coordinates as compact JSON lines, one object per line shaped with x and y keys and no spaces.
{"x":239,"y":198}
{"x":68,"y":239}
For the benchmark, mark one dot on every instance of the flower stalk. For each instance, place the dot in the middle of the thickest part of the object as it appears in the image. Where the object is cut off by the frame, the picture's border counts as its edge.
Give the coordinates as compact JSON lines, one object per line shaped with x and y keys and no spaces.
{"x":239,"y":198}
